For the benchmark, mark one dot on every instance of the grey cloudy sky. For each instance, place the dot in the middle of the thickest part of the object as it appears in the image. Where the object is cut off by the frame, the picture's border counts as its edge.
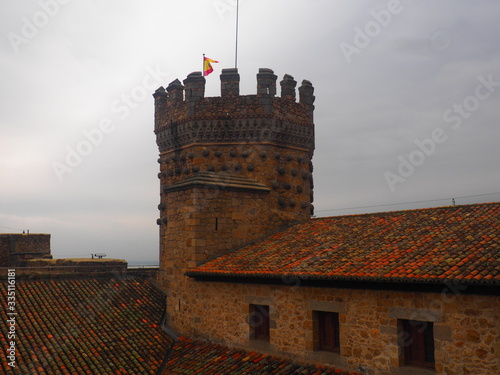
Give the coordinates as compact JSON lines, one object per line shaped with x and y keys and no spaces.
{"x":407,"y":104}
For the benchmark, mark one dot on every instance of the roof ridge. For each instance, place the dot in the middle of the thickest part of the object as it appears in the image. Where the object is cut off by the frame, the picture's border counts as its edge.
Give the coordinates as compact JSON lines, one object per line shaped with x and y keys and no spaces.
{"x":408,"y":210}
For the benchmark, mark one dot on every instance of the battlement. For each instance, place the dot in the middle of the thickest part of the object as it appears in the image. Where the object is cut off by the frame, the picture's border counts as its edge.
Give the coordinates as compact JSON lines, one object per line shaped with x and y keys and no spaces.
{"x":183,"y":115}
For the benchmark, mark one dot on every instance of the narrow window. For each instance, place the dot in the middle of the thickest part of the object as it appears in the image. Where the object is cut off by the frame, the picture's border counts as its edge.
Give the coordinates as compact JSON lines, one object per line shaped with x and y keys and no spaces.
{"x":327,"y":331}
{"x":259,"y":322}
{"x":216,"y":223}
{"x":417,"y":342}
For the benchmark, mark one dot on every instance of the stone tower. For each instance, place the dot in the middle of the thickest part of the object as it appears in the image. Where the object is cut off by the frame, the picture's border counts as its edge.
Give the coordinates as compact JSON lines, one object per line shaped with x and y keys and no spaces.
{"x":233,"y":168}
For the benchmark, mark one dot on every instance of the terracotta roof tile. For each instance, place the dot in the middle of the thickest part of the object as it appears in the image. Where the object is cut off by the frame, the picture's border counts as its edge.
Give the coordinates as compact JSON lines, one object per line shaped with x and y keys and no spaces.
{"x":85,"y":326}
{"x":426,"y":245}
{"x":199,"y":357}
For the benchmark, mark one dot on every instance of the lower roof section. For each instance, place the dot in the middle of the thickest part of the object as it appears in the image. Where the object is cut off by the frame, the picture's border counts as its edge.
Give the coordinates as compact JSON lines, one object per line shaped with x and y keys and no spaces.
{"x":199,"y":357}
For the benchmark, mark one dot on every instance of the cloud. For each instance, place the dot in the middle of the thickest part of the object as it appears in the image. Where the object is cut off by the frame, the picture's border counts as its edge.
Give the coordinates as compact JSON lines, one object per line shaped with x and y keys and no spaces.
{"x":65,"y":80}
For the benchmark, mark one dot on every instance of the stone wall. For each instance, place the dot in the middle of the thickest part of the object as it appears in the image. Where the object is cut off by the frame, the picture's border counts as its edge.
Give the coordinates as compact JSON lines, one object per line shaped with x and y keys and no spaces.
{"x":4,"y":250}
{"x":15,"y":247}
{"x":287,"y":172}
{"x":47,"y":268}
{"x":466,"y":331}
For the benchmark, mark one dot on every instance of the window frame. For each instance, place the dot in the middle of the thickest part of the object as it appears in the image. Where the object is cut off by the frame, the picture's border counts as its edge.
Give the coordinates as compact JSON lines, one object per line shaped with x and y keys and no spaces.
{"x":417,"y":344}
{"x":327,"y":331}
{"x":260,"y":322}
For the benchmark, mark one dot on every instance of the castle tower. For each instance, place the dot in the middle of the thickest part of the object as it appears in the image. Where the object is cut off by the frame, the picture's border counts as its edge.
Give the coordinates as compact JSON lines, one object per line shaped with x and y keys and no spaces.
{"x":233,"y":168}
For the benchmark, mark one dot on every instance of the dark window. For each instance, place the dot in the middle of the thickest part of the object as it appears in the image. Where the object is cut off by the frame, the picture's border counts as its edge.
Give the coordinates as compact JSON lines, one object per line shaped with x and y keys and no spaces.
{"x":328,"y":337}
{"x":417,"y":341}
{"x":259,"y":322}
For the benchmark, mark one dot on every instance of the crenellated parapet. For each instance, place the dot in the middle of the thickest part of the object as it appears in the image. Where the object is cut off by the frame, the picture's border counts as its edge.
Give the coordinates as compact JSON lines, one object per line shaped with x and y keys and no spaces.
{"x":184,"y":116}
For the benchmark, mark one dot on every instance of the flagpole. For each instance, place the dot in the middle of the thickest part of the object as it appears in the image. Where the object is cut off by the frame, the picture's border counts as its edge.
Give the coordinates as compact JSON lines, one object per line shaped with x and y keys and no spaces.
{"x":236,"y":46}
{"x":203,"y":66}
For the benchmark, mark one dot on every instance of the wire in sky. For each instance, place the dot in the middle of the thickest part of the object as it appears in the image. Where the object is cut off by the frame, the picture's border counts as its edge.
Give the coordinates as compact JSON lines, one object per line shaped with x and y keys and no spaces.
{"x":11,"y":228}
{"x":396,"y":204}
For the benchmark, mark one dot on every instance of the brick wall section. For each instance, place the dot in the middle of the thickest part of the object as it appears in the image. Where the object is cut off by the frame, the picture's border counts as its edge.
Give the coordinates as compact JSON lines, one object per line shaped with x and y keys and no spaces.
{"x":465,"y":326}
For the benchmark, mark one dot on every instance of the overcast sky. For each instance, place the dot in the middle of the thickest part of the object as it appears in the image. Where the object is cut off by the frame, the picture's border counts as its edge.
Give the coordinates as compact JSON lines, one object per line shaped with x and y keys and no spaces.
{"x":407,"y":104}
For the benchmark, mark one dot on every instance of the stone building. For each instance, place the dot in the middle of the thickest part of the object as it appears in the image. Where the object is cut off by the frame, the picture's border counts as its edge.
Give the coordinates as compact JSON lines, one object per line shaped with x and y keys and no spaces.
{"x":96,"y":316}
{"x":30,"y":254}
{"x":243,"y":264}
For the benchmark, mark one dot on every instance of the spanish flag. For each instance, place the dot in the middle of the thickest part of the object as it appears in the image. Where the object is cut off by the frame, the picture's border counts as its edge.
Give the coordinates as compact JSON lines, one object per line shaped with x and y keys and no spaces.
{"x":207,"y":67}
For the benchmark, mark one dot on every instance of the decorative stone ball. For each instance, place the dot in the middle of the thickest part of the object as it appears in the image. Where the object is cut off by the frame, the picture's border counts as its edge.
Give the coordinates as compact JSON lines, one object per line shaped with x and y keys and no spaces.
{"x":232,"y":153}
{"x":299,"y":189}
{"x":250,"y":167}
{"x":218,"y":153}
{"x":281,"y":171}
{"x":275,"y":184}
{"x":293,"y":172}
{"x":196,"y":168}
{"x":210,"y":168}
{"x":205,"y":153}
{"x":191,"y":155}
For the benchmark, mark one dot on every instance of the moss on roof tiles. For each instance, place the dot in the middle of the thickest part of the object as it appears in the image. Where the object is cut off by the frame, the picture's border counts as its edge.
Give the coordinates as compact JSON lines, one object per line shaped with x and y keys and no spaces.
{"x":86,"y":326}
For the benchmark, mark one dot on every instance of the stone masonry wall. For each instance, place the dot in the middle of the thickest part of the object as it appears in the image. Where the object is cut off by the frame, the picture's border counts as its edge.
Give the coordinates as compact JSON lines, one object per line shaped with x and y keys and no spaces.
{"x":15,"y":247}
{"x":287,"y":172}
{"x":4,"y":250}
{"x":466,"y":331}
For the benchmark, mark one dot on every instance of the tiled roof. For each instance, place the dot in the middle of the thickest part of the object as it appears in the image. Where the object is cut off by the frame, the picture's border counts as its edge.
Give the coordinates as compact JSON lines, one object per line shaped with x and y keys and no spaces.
{"x":197,"y":357}
{"x":85,"y":326}
{"x":427,"y":245}
{"x":108,"y":326}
